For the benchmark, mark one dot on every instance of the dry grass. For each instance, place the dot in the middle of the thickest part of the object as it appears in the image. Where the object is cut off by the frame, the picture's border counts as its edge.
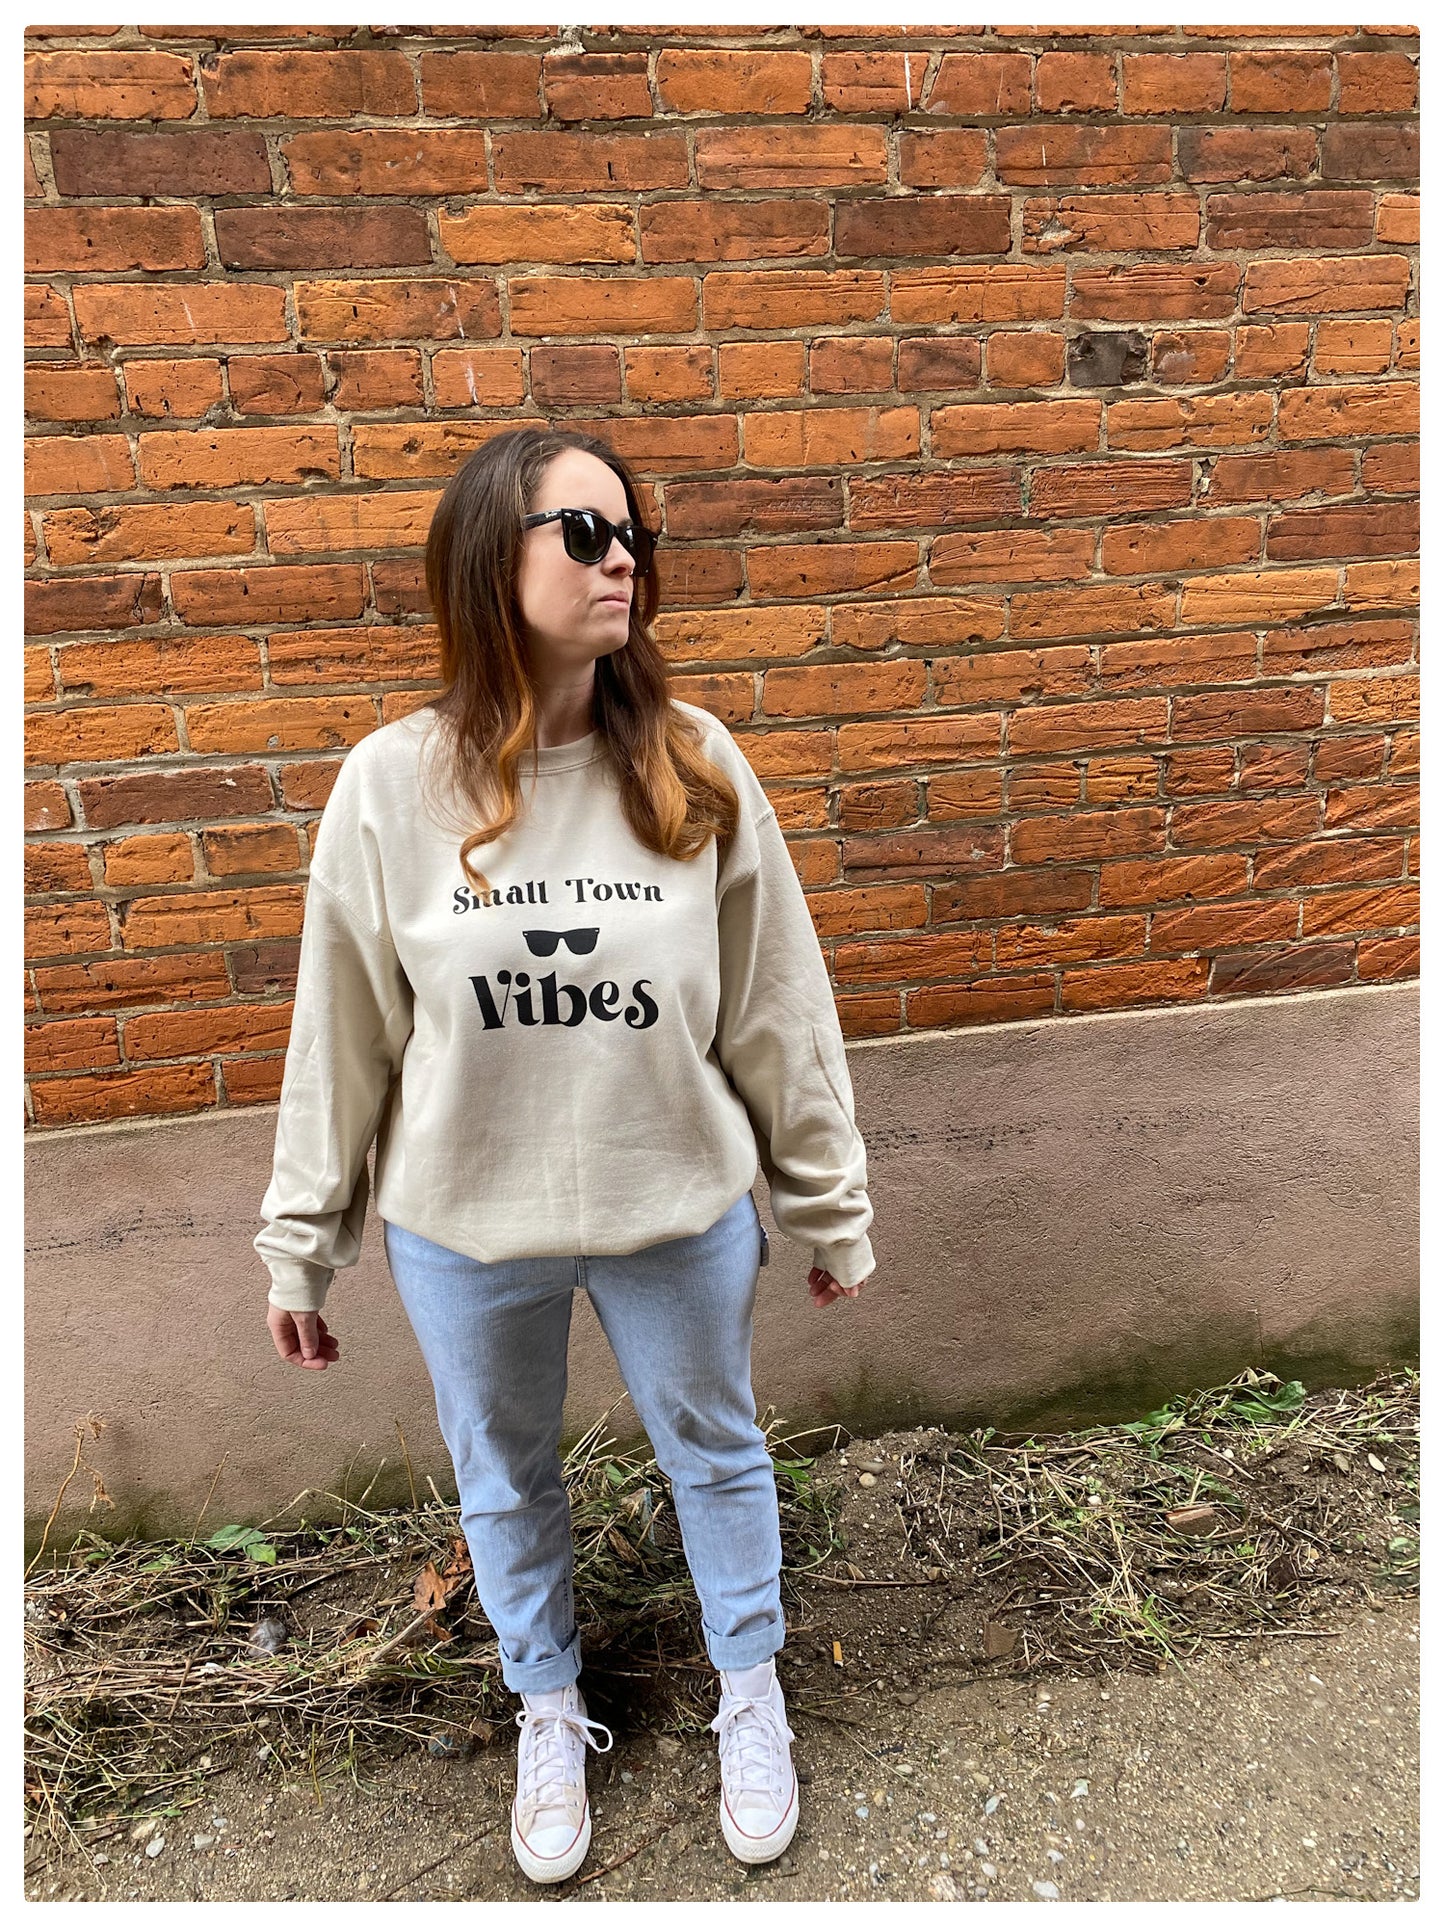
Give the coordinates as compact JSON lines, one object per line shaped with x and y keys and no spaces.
{"x":1120,"y":1546}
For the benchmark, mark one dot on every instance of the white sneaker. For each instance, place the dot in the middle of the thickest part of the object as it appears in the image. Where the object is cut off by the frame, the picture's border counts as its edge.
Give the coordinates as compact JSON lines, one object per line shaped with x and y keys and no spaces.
{"x":759,"y":1802}
{"x":551,"y":1821}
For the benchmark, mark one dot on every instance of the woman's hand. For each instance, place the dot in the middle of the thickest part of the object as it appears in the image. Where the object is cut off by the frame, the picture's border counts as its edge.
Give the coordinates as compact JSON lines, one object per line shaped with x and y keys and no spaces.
{"x":302,"y":1338}
{"x":823,"y":1287}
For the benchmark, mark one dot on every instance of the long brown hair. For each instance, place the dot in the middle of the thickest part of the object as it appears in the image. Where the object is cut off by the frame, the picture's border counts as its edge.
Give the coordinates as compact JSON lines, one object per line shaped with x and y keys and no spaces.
{"x":673,"y":795}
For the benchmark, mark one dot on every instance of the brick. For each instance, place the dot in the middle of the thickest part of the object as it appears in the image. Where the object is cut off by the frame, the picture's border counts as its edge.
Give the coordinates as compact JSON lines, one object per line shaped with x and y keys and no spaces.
{"x":128,"y":85}
{"x":388,"y":519}
{"x":808,"y":438}
{"x":1351,"y":409}
{"x":1085,"y":156}
{"x":837,"y":365}
{"x":1337,"y":912}
{"x":63,"y":929}
{"x":265,"y":968}
{"x":1107,"y":357}
{"x":861,"y":83}
{"x":588,"y":85}
{"x":568,"y":163}
{"x":1191,"y":421}
{"x":1358,"y":151}
{"x":1192,"y":355}
{"x":1380,"y":958}
{"x":92,"y":602}
{"x":174,"y":796}
{"x":1330,"y":284}
{"x":1119,"y":986}
{"x":1374,"y":806}
{"x":100,"y":735}
{"x":112,"y":240}
{"x":1012,"y":893}
{"x":1283,"y":477}
{"x":946,"y":157}
{"x":329,"y":592}
{"x":1355,"y":859}
{"x":692,"y":81}
{"x":184,"y":162}
{"x":202,"y":1030}
{"x":249,"y":849}
{"x":1051,"y":729}
{"x":1353,"y":347}
{"x":1171,"y":661}
{"x":1025,"y":359}
{"x":47,"y":319}
{"x":1378,"y":83}
{"x":1156,"y":291}
{"x":982,"y":85}
{"x":379,"y":310}
{"x":118,"y":983}
{"x":1110,"y":223}
{"x":991,"y":1000}
{"x":322,"y":237}
{"x":1257,"y":597}
{"x":748,"y":300}
{"x":1110,"y":488}
{"x":942,"y":361}
{"x":128,"y":532}
{"x":1247,"y":153}
{"x":212,"y":916}
{"x":1170,"y":84}
{"x":1397,"y":220}
{"x":1005,"y":292}
{"x":1165,"y":879}
{"x":105,"y":1096}
{"x":276,"y":384}
{"x":1244,"y":820}
{"x":369,"y":655}
{"x":253,"y":1080}
{"x":499,"y":234}
{"x":750,"y":370}
{"x":1087,"y":835}
{"x":1034,"y":428}
{"x":183,"y":389}
{"x":1279,"y":83}
{"x":1011,"y":555}
{"x":71,"y":1044}
{"x":1382,"y":585}
{"x":1391,"y":468}
{"x":477,"y":377}
{"x":369,"y":378}
{"x":163,"y":666}
{"x":201,"y":311}
{"x":953,"y":224}
{"x":1372,"y":528}
{"x":238,"y":457}
{"x":47,"y":807}
{"x":1375,"y":699}
{"x":885,"y":501}
{"x":1105,"y":608}
{"x":384,"y":160}
{"x":879,"y":961}
{"x":1218,"y":926}
{"x":492,"y":86}
{"x":940,"y":621}
{"x":39,"y":675}
{"x":279,"y":723}
{"x":295,"y":84}
{"x":306,"y":786}
{"x":53,"y":867}
{"x":70,"y":392}
{"x":166,"y":858}
{"x":1271,"y":348}
{"x":1317,"y":218}
{"x":669,"y":231}
{"x":77,"y":464}
{"x":835,"y":568}
{"x":1075,"y":83}
{"x":1176,"y":547}
{"x":1233,"y":712}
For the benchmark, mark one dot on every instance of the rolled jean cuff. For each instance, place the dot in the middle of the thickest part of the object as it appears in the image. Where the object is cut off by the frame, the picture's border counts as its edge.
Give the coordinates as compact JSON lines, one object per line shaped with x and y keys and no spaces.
{"x":738,"y":1651}
{"x":544,"y":1675}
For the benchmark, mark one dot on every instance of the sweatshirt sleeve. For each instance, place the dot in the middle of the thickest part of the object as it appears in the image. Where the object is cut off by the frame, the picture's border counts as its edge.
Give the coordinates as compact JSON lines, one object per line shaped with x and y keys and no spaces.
{"x":351,"y":1021}
{"x":781,"y":1045}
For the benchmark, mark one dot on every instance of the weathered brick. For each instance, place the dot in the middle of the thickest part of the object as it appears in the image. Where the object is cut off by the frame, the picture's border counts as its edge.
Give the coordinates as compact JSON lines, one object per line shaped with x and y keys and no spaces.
{"x":202,"y":311}
{"x":1330,"y":283}
{"x":147,"y":1093}
{"x":192,"y":160}
{"x":105,"y":85}
{"x":129,"y":601}
{"x":321,"y":237}
{"x":297,"y":84}
{"x":70,"y":392}
{"x":140,"y":532}
{"x":112,"y":240}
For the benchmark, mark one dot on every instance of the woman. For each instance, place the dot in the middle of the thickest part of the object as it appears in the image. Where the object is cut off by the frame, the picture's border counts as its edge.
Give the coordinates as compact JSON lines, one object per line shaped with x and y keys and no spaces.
{"x":570,"y":1061}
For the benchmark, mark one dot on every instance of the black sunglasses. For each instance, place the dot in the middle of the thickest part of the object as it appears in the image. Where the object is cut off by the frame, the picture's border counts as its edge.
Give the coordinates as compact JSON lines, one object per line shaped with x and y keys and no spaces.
{"x":587,"y":536}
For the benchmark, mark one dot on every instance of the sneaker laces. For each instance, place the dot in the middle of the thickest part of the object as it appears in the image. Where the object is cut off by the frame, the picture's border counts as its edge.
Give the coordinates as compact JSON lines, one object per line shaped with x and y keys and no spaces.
{"x":549,"y":1755}
{"x":753,"y":1735}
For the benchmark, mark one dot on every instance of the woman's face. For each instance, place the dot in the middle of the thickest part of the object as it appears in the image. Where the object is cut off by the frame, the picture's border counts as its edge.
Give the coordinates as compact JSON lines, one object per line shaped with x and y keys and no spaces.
{"x":565,"y":611}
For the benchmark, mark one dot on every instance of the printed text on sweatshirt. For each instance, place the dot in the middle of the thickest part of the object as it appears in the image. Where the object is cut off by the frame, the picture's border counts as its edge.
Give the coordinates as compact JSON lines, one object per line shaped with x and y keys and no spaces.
{"x":591,"y":1057}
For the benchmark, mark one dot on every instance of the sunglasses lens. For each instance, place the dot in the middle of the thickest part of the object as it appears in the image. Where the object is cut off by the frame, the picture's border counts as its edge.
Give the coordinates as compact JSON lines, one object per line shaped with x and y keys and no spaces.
{"x":588,"y":538}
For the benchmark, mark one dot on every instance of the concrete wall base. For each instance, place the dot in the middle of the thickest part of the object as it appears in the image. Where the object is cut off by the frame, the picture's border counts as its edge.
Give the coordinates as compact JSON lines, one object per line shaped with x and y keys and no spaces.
{"x":1076,"y":1219}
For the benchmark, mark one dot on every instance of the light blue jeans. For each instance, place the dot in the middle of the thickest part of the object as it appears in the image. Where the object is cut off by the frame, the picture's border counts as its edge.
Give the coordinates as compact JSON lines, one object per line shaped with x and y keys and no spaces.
{"x":678,"y":1316}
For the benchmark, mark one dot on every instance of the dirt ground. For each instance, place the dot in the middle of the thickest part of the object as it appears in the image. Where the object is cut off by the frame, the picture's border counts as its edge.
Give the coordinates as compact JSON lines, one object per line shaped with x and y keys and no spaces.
{"x":1271,"y":1766}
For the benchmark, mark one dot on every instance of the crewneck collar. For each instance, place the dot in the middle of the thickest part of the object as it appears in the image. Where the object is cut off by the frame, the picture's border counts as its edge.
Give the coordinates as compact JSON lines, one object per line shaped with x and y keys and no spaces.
{"x":559,"y":756}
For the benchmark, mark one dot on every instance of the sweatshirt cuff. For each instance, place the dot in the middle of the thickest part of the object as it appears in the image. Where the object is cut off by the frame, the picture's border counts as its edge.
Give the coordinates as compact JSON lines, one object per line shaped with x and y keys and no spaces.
{"x":849,"y":1263}
{"x":297,"y":1285}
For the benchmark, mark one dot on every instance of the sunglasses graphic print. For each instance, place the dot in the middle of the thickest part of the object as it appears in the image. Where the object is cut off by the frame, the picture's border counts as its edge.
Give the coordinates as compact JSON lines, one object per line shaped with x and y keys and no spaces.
{"x":542,"y":943}
{"x":562,"y":1004}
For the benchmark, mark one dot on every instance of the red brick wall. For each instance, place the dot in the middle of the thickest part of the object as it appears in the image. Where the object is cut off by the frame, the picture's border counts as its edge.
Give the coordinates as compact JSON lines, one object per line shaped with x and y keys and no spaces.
{"x":1031,"y":418}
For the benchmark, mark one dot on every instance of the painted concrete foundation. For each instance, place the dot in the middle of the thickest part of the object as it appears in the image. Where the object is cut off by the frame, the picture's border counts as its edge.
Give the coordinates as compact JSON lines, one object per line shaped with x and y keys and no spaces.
{"x":1075,"y":1219}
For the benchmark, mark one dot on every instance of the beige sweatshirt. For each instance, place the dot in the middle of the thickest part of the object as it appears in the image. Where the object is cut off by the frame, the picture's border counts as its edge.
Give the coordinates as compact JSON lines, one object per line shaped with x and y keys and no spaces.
{"x":589,"y":1059}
